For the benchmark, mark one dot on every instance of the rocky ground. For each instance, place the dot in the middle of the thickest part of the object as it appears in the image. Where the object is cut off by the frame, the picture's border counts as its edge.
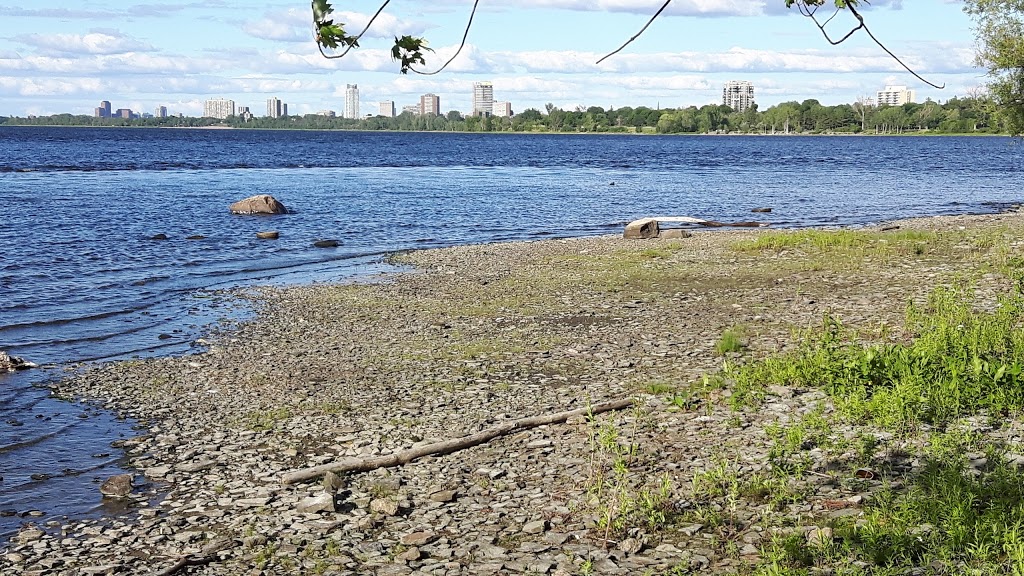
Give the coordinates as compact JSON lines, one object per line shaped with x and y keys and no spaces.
{"x":475,"y":336}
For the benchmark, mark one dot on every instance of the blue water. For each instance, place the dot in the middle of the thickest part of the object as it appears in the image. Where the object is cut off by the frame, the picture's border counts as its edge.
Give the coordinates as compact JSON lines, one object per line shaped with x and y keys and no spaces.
{"x":81,"y":279}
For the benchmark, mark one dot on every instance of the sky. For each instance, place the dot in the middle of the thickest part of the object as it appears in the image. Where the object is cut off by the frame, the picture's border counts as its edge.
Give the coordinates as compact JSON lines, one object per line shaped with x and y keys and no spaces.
{"x":66,"y":56}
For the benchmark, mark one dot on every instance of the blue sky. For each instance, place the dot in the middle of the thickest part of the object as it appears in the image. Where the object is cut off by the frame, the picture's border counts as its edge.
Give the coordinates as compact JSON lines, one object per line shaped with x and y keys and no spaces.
{"x":64,"y":56}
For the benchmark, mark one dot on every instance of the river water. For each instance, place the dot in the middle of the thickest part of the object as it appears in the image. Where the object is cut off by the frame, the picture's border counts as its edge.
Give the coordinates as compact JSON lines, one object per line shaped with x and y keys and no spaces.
{"x":82,"y":280}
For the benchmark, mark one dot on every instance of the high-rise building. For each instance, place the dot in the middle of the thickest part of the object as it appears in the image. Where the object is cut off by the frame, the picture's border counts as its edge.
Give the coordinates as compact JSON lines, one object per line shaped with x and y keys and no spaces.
{"x":386,"y":108}
{"x":430,"y":104}
{"x":501,"y":109}
{"x":103,"y":111}
{"x":275,"y":108}
{"x":483,"y":98}
{"x":351,"y":101}
{"x":218,"y":108}
{"x":738,"y":95}
{"x":160,"y":112}
{"x":895,"y":96}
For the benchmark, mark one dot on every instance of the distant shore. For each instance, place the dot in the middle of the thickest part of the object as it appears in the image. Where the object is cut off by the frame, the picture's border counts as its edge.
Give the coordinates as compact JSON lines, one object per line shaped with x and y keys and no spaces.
{"x":920,"y":134}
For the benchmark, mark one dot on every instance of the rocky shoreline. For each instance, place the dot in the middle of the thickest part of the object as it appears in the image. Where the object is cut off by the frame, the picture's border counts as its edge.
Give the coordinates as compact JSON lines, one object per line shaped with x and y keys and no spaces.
{"x":475,"y":336}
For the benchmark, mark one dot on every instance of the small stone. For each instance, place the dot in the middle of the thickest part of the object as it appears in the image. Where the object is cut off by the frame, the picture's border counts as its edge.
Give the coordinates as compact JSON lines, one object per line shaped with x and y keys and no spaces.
{"x":326,"y":244}
{"x":332,"y":482}
{"x":674,"y":234}
{"x":320,"y":503}
{"x":195,"y":237}
{"x":197,"y":466}
{"x":118,"y":486}
{"x":819,"y":536}
{"x":252,"y":502}
{"x":411,"y":555}
{"x":443,"y":496}
{"x":29,"y":534}
{"x":158,"y":471}
{"x":385,"y":506}
{"x":691,"y":529}
{"x":535,"y":527}
{"x":419,"y":538}
{"x":158,"y":237}
{"x":100,"y":570}
{"x":631,"y":545}
{"x":268,"y":235}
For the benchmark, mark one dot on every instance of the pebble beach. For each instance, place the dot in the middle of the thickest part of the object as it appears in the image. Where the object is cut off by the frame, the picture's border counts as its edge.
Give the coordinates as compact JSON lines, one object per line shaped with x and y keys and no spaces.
{"x":467,"y":338}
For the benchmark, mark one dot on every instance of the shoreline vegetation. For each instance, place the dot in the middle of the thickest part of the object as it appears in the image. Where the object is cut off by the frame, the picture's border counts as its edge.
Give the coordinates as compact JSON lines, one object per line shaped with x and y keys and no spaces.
{"x":804,"y":402}
{"x":956,"y":116}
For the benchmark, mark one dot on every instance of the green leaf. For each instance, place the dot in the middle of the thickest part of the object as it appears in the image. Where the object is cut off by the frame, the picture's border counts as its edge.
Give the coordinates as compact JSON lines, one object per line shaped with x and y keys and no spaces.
{"x":409,"y":52}
{"x":321,"y":8}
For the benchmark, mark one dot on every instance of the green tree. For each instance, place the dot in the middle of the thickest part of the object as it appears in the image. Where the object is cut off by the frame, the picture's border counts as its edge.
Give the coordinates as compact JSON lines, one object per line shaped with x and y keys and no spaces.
{"x":999,"y":25}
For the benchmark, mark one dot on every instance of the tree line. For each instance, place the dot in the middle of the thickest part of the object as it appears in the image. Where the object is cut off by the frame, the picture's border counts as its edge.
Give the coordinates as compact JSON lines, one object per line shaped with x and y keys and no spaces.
{"x":966,"y":115}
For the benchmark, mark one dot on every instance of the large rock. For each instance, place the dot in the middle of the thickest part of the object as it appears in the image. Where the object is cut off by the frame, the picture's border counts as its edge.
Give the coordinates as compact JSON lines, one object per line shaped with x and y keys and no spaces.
{"x":642,"y":229}
{"x":117,"y":486}
{"x":12,"y":363}
{"x":261,"y":204}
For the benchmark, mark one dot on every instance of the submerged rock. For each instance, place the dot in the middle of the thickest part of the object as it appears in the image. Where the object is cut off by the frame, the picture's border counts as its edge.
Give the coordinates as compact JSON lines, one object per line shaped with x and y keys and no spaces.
{"x":268,"y":235}
{"x":326,"y":243}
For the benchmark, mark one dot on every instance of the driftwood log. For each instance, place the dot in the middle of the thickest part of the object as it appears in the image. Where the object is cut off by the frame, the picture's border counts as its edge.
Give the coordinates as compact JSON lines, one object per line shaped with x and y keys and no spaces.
{"x":447,"y":446}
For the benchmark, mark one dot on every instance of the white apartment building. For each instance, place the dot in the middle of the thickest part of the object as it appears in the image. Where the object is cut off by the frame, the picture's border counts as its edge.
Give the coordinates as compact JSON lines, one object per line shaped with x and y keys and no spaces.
{"x":501,"y":109}
{"x":218,"y":108}
{"x":895,"y":96}
{"x":386,"y":108}
{"x":351,"y":101}
{"x":276,"y":108}
{"x":160,"y":112}
{"x":738,"y":95}
{"x":483,"y":98}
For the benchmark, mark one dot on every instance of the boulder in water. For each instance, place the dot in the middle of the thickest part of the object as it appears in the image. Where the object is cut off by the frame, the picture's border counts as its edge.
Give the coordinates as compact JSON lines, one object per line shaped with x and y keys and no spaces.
{"x":117,"y":486}
{"x":259,"y":204}
{"x":268,"y":235}
{"x":326,"y":243}
{"x":11,"y":363}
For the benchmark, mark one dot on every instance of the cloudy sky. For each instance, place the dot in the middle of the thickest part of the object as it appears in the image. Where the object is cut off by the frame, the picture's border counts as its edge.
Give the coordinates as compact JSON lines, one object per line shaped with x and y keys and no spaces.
{"x":66,"y":56}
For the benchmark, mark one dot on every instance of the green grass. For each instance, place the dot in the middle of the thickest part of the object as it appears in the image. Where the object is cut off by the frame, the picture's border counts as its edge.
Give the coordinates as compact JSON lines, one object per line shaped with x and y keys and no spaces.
{"x":730,"y":341}
{"x":956,"y":360}
{"x":835,"y":240}
{"x":961,"y":361}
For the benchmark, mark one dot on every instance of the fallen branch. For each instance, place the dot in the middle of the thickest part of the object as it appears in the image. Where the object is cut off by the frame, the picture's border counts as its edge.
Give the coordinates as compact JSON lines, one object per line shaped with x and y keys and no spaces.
{"x":447,"y":446}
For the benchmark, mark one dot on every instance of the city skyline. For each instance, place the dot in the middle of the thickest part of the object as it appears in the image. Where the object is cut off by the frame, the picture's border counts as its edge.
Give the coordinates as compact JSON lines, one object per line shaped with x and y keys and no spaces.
{"x":66,"y":56}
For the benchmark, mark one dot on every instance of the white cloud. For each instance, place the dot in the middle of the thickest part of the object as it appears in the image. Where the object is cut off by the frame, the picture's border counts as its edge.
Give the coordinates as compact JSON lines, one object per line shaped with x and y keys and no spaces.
{"x":700,"y":8}
{"x":295,"y":25}
{"x":95,"y":42}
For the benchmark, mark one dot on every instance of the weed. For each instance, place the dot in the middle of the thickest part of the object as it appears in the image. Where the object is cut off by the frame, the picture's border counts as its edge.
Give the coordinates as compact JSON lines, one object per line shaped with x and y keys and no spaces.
{"x":619,"y":496}
{"x":659,"y":387}
{"x":962,"y":361}
{"x":730,"y":341}
{"x":264,"y":420}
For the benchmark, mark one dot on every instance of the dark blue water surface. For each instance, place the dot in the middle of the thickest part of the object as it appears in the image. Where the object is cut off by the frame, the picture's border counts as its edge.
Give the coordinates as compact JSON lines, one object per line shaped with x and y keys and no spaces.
{"x":80,"y":278}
